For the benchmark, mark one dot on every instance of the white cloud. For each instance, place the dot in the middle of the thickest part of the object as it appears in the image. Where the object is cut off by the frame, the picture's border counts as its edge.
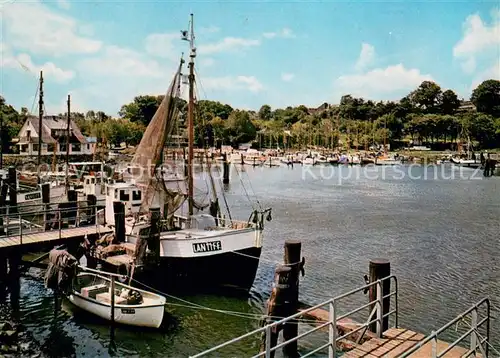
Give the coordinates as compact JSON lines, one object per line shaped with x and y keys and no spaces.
{"x":287,"y":77}
{"x":491,"y":73}
{"x":469,"y":65}
{"x":228,"y":44}
{"x":366,"y":56}
{"x":63,"y":4}
{"x":33,"y":27}
{"x":380,"y":82}
{"x":121,"y":62}
{"x":163,"y":45}
{"x":24,"y":63}
{"x":478,"y":38}
{"x":284,"y":33}
{"x":249,"y":83}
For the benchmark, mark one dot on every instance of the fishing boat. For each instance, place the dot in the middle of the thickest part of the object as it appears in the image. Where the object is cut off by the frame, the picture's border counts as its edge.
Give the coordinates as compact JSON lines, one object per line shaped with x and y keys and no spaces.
{"x":132,"y":306}
{"x":196,"y":248}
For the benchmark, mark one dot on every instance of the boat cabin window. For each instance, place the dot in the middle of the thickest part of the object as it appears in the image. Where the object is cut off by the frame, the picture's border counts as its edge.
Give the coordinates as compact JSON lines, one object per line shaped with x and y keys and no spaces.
{"x":124,"y":196}
{"x":136,"y":195}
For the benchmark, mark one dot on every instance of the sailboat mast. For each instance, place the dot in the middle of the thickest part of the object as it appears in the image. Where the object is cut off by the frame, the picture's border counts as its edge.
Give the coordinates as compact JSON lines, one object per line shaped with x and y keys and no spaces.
{"x":192,"y":55}
{"x":40,"y":117}
{"x":67,"y":141}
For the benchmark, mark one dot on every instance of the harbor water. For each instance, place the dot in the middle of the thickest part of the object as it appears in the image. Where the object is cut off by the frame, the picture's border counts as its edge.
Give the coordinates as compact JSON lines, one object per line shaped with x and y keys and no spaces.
{"x":438,"y":226}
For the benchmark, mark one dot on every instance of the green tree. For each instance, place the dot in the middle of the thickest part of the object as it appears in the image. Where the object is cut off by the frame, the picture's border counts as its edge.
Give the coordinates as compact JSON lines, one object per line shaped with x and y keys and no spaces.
{"x":265,"y":112}
{"x":486,"y":97}
{"x":240,"y":127}
{"x":449,"y":102}
{"x":427,"y":97}
{"x":141,"y":109}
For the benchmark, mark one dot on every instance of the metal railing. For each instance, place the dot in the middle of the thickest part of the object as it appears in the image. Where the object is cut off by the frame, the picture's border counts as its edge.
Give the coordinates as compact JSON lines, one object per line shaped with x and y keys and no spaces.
{"x":15,"y":225}
{"x":334,"y":317}
{"x":477,"y":341}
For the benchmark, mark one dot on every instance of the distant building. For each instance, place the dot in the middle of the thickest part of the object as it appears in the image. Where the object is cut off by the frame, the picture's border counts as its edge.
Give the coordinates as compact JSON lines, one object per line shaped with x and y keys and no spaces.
{"x":466,"y":106}
{"x":322,"y":107}
{"x":54,"y":137}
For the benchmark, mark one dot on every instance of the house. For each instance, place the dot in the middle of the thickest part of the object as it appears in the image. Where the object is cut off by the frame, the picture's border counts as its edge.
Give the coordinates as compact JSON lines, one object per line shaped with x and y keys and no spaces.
{"x":54,"y":137}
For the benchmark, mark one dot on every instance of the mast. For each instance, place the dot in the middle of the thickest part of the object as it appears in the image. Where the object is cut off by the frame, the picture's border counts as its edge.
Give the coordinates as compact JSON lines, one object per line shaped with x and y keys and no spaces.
{"x":40,"y":117}
{"x":192,"y":55}
{"x":67,"y":141}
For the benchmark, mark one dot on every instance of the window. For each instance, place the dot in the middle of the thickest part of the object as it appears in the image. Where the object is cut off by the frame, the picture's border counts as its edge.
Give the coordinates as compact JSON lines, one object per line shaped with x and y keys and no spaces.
{"x":28,"y":134}
{"x":35,"y":147}
{"x":62,"y":147}
{"x":51,"y":147}
{"x":136,"y":195}
{"x":75,"y":147}
{"x":124,"y":196}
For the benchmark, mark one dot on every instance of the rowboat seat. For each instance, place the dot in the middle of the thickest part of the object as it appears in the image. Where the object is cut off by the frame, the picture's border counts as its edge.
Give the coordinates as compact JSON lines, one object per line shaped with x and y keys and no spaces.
{"x":106,"y":297}
{"x":94,"y":290}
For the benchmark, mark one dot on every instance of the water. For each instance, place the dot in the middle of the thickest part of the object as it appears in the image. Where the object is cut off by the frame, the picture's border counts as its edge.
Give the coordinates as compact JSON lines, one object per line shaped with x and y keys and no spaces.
{"x":440,"y":234}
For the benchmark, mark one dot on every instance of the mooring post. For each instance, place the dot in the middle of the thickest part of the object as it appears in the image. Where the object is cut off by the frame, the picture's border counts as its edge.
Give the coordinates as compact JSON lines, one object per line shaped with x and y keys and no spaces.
{"x":12,"y":180}
{"x":73,"y":204}
{"x":379,"y":269}
{"x":119,"y":212}
{"x":154,"y":233}
{"x":91,"y":208}
{"x":225,"y":169}
{"x":45,"y":203}
{"x":3,"y":204}
{"x":276,"y":307}
{"x":291,"y":328}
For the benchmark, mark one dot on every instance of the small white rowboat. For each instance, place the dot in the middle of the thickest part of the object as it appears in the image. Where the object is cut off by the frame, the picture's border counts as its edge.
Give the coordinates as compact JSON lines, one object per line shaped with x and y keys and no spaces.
{"x":135,"y":307}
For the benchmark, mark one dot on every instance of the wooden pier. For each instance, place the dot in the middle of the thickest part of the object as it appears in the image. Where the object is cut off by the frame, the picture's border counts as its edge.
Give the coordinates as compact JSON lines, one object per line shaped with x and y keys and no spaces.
{"x":380,"y":335}
{"x":52,"y":236}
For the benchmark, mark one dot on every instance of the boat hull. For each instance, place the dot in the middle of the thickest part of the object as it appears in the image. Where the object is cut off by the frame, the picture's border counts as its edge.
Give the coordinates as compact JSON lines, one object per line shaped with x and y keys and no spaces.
{"x":235,"y":269}
{"x":132,"y":316}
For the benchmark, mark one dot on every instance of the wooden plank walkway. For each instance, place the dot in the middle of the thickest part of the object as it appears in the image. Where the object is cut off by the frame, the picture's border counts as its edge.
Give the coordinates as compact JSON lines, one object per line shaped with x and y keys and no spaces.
{"x":396,"y":341}
{"x":52,"y":235}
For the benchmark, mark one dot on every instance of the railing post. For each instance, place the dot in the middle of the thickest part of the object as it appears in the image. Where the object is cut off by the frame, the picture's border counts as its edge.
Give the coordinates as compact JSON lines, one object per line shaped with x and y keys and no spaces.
{"x":20,"y":230}
{"x":380,"y":311}
{"x":434,"y":345}
{"x":473,"y":335}
{"x":332,"y":332}
{"x":7,"y":221}
{"x":268,"y":341}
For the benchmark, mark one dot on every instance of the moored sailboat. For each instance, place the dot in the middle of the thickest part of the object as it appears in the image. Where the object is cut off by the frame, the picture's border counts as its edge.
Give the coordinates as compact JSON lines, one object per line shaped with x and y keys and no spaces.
{"x":195,"y":248}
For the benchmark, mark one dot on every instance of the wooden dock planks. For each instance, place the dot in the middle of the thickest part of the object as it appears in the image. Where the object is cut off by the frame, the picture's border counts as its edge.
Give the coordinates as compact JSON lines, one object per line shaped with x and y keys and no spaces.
{"x":396,"y":341}
{"x":52,"y":235}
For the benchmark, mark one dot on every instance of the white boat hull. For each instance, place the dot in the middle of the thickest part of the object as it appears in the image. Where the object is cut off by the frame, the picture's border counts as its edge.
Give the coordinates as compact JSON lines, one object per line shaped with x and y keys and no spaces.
{"x":124,"y":314}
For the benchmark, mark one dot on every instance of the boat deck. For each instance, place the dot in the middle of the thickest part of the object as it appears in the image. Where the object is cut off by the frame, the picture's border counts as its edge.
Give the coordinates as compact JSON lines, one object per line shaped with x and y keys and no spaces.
{"x":397,"y":341}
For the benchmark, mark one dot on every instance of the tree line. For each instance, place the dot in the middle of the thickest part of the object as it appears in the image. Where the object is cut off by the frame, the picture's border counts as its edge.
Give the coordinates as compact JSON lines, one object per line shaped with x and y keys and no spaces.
{"x":427,"y":115}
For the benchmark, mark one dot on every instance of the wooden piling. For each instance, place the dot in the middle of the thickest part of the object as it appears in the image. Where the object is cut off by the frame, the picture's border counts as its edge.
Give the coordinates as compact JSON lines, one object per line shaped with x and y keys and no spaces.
{"x":225,"y":169}
{"x":119,"y":212}
{"x":276,"y":306}
{"x":12,"y":181}
{"x":45,"y":204}
{"x":291,"y":328}
{"x":91,"y":209}
{"x":73,"y":205}
{"x":379,"y":269}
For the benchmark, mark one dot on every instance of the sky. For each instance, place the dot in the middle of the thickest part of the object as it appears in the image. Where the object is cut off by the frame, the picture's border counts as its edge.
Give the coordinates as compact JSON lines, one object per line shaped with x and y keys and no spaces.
{"x":249,"y":53}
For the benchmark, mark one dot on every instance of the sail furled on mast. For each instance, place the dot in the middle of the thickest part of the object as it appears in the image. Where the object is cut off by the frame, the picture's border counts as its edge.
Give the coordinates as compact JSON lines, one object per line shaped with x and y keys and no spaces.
{"x":149,"y":153}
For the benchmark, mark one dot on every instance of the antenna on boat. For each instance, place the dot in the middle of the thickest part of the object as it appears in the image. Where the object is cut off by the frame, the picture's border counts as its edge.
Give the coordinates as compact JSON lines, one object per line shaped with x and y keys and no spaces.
{"x":189,"y":36}
{"x":40,"y":117}
{"x":67,"y":141}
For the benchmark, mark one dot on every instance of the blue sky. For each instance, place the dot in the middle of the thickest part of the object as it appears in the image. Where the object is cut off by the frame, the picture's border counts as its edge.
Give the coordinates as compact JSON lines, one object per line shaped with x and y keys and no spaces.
{"x":249,"y":52}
